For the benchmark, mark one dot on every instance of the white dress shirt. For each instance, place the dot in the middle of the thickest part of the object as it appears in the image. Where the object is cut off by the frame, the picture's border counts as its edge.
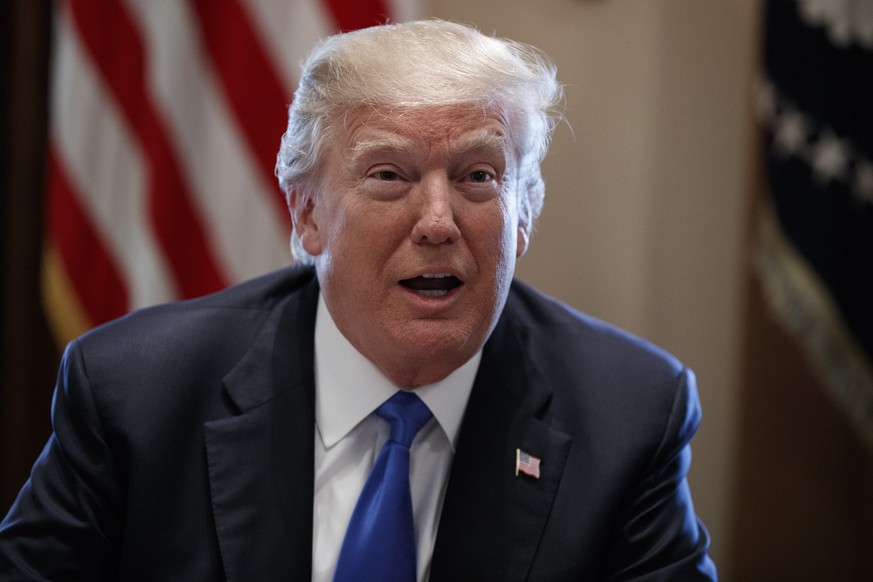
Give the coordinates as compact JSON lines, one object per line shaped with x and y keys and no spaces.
{"x":349,"y":436}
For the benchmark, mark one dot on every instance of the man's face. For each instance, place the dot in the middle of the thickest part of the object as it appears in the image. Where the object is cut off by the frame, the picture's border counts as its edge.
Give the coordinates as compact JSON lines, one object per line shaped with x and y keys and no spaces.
{"x":415,"y":236}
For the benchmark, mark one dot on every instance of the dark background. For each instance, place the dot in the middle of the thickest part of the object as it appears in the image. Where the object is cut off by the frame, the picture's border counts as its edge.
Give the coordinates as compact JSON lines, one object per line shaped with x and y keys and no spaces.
{"x":29,"y":357}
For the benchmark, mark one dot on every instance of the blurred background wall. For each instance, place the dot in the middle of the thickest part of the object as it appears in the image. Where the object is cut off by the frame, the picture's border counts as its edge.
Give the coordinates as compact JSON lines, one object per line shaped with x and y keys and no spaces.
{"x":651,"y":185}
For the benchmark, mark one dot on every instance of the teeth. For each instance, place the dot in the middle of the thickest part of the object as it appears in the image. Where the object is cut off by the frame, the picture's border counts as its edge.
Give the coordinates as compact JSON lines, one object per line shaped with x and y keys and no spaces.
{"x":432,"y":293}
{"x":436,"y":275}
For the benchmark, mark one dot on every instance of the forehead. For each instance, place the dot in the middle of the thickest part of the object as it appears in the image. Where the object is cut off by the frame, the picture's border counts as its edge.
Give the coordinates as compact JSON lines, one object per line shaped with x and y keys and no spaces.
{"x":461,"y":127}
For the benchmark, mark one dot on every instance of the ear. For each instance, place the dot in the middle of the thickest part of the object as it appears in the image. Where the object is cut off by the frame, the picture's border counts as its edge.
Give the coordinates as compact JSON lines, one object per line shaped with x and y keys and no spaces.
{"x":304,"y":219}
{"x":523,"y":239}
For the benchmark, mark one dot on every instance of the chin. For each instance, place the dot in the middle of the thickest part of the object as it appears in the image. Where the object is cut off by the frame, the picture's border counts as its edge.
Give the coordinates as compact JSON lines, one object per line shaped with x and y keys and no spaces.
{"x":441,"y":341}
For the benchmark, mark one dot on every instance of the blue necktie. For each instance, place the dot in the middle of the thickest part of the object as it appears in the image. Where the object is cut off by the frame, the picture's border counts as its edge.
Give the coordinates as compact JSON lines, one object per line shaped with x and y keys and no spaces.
{"x":379,"y":545}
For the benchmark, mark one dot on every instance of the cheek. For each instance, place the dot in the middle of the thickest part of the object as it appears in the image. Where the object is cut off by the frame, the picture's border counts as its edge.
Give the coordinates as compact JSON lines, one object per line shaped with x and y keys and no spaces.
{"x":365,"y":235}
{"x":495,"y":234}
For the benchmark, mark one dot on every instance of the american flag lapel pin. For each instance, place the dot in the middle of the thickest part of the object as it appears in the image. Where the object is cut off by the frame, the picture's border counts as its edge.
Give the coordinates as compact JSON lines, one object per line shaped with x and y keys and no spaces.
{"x":527,"y":464}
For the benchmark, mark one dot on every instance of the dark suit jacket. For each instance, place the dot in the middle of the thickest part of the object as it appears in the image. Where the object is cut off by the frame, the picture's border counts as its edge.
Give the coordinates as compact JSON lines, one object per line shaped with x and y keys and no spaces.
{"x":183,"y":450}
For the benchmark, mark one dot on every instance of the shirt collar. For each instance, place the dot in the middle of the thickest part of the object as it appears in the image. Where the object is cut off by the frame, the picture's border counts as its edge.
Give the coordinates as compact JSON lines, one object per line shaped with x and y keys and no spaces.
{"x":348,"y":386}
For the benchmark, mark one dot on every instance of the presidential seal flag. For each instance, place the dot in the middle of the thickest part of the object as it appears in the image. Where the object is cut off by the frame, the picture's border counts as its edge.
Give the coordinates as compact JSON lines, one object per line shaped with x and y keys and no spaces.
{"x":815,"y":254}
{"x":165,"y":121}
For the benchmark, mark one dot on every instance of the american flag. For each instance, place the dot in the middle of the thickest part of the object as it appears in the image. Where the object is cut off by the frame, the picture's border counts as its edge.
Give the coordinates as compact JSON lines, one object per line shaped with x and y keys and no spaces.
{"x":165,"y":121}
{"x":527,"y":464}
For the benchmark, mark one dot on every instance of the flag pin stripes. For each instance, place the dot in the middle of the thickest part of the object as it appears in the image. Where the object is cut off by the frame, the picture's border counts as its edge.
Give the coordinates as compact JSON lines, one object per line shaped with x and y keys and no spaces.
{"x":527,"y":464}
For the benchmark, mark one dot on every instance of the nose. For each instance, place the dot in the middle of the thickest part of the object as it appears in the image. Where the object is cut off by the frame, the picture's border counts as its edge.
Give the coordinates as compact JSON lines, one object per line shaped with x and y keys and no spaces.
{"x":436,"y":220}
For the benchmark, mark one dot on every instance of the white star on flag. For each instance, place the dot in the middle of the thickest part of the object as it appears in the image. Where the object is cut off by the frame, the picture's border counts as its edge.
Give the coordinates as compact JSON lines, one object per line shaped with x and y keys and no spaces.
{"x":791,"y":132}
{"x":830,"y":158}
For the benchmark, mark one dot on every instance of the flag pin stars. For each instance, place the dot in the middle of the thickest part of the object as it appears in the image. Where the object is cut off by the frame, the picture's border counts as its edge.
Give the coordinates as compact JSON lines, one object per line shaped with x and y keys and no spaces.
{"x":527,"y":464}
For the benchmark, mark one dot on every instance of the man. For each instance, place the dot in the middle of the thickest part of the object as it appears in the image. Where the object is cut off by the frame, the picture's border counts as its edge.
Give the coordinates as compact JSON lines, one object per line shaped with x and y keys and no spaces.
{"x":232,"y":437}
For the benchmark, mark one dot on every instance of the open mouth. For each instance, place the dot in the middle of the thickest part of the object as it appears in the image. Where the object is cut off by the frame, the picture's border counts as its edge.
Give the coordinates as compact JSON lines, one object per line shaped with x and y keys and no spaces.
{"x":432,"y":284}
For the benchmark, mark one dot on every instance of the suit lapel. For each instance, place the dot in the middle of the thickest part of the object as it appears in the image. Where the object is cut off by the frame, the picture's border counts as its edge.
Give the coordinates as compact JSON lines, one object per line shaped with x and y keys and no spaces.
{"x":261,"y":461}
{"x":492,"y":520}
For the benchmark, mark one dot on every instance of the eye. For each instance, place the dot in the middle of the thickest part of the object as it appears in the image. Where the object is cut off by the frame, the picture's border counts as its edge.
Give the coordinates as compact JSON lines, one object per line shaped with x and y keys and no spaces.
{"x":480,"y":176}
{"x":387,"y":175}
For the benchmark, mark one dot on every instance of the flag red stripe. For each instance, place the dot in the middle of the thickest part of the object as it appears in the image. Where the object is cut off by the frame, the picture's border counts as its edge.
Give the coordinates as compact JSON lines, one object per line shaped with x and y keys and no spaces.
{"x":250,"y":82}
{"x":115,"y":45}
{"x":91,"y":270}
{"x":353,"y":14}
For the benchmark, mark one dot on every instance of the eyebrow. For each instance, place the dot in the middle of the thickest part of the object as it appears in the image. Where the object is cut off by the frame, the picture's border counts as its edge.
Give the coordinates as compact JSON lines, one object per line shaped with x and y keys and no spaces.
{"x":483,"y":140}
{"x":384,"y":144}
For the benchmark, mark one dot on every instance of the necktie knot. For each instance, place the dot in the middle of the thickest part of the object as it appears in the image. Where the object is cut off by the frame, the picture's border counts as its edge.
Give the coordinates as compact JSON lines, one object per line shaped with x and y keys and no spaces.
{"x":407,"y":414}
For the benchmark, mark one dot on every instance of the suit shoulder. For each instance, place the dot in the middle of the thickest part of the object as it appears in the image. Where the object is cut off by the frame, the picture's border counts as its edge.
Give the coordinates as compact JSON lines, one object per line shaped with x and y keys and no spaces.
{"x":223,"y":322}
{"x":582,"y":337}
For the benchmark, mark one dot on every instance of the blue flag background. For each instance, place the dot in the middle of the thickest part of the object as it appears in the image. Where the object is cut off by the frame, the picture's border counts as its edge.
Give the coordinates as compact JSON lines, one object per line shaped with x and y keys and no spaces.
{"x":816,"y":254}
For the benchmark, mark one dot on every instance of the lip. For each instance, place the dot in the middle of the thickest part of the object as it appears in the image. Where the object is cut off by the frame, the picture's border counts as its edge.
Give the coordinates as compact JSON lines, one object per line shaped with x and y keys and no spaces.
{"x":433,"y":273}
{"x":432,"y":300}
{"x":430,"y":305}
{"x":436,"y":270}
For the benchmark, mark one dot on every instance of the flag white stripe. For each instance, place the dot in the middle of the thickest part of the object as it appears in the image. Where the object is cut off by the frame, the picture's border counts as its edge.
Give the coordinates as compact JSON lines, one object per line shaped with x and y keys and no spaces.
{"x":230,"y":194}
{"x":290,"y":30}
{"x":105,"y":167}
